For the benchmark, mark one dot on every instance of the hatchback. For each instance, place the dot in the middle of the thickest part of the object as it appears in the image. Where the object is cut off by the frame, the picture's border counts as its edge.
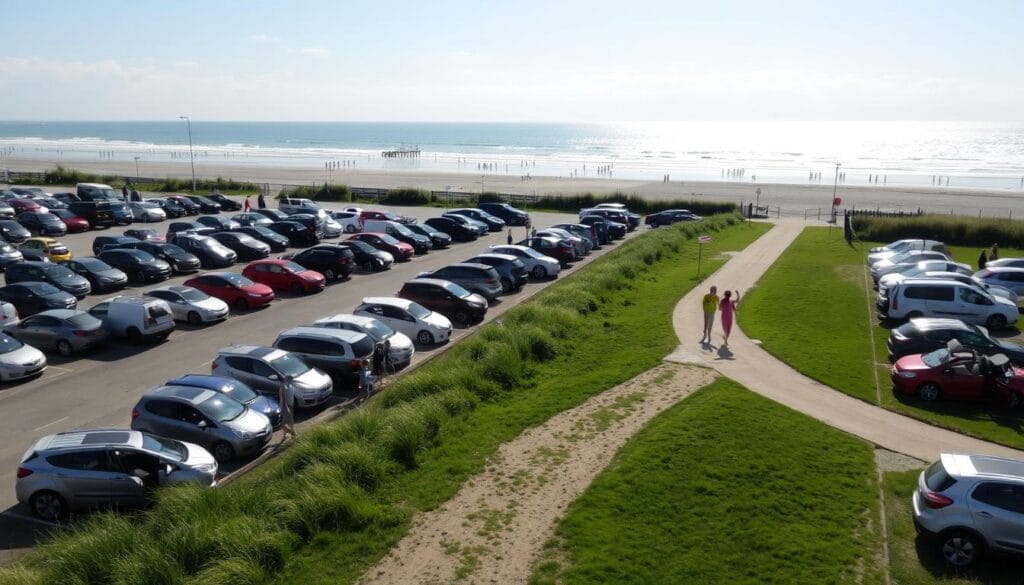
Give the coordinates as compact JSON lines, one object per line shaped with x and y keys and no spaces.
{"x":102,"y":277}
{"x":190,"y":304}
{"x":234,"y":289}
{"x":511,"y":271}
{"x":447,"y":298}
{"x":285,"y":275}
{"x":339,"y":353}
{"x":49,"y":248}
{"x":64,"y":330}
{"x":474,"y":277}
{"x":264,"y":404}
{"x":367,"y":257}
{"x":263,"y":369}
{"x":42,"y":224}
{"x":408,"y":317}
{"x":138,"y":265}
{"x":399,"y":250}
{"x":334,"y":262}
{"x":296,"y":233}
{"x":30,"y":298}
{"x":537,"y":264}
{"x":56,"y":274}
{"x":401,"y":347}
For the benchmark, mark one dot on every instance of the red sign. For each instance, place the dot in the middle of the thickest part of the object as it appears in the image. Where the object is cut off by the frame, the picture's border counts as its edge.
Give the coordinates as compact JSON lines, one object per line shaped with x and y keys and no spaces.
{"x":704,"y":239}
{"x":837,"y":201}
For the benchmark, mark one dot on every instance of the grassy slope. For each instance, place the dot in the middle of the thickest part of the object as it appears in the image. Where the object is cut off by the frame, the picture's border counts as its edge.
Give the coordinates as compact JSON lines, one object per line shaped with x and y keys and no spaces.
{"x":725,"y":487}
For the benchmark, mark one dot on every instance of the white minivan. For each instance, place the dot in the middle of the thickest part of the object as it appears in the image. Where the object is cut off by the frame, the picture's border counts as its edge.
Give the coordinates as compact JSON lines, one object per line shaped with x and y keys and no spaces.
{"x":136,"y":318}
{"x":921,"y":297}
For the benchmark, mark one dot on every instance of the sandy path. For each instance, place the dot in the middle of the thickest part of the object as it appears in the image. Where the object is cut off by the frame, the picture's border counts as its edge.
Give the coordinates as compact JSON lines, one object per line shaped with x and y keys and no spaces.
{"x":497,"y":524}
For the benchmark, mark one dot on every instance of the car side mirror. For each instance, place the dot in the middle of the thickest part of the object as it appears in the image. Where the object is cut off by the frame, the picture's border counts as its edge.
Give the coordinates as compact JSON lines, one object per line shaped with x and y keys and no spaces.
{"x":202,"y":424}
{"x":273,"y":377}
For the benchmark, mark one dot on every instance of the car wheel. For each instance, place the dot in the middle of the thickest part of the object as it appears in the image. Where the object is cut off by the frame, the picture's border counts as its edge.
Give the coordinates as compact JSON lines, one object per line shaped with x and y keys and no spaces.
{"x":64,"y":348}
{"x":93,"y":285}
{"x":49,"y":505}
{"x":223,"y":452}
{"x":194,"y":318}
{"x":929,"y":391}
{"x":139,"y":277}
{"x":461,"y":318}
{"x":330,"y":275}
{"x":241,"y":304}
{"x":1015,"y":400}
{"x":506,"y":285}
{"x":350,"y":229}
{"x":539,"y":272}
{"x":960,"y":549}
{"x":297,"y":288}
{"x":425,"y":337}
{"x":134,"y":335}
{"x":995,"y":322}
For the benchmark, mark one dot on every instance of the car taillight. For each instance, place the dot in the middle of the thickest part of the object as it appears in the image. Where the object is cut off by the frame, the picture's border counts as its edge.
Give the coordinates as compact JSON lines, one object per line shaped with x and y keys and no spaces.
{"x":935,"y":500}
{"x":135,"y":413}
{"x":80,"y":333}
{"x":356,"y":365}
{"x":23,"y":472}
{"x":213,"y":365}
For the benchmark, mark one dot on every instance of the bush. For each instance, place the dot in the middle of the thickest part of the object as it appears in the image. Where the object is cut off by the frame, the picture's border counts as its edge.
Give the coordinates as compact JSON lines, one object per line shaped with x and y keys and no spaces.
{"x":326,"y":192}
{"x":951,"y":229}
{"x":323,"y":500}
{"x":635,"y":203}
{"x":406,"y":197}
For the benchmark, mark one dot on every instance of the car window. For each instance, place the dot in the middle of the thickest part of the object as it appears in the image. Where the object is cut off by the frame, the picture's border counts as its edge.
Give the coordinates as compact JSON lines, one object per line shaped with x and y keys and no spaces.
{"x":261,"y":369}
{"x":969,"y":296}
{"x":45,"y":321}
{"x":164,"y":408}
{"x":239,"y":392}
{"x":93,"y":460}
{"x":188,"y":414}
{"x":163,"y":294}
{"x":169,"y":448}
{"x":220,"y":408}
{"x":1001,"y":495}
{"x":242,"y":364}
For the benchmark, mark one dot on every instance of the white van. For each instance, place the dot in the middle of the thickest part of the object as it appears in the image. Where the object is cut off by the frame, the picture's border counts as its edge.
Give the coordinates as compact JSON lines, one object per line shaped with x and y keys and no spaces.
{"x":136,"y":318}
{"x":921,"y":297}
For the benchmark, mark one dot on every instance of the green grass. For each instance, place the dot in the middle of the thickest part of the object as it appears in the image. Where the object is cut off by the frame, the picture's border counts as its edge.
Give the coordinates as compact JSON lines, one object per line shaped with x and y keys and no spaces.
{"x":814,"y":310}
{"x":977,"y":232}
{"x":725,"y":487}
{"x":915,"y":561}
{"x":63,"y":176}
{"x":343,"y":495}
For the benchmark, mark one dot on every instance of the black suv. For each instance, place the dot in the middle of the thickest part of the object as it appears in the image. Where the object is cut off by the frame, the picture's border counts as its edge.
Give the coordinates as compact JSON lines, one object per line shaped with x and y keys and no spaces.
{"x":447,"y":298}
{"x":42,"y":224}
{"x":457,"y":230}
{"x":511,"y":270}
{"x":48,"y":272}
{"x":180,"y":261}
{"x":138,"y":265}
{"x":332,"y":261}
{"x":511,"y":215}
{"x":928,"y":334}
{"x":297,"y":234}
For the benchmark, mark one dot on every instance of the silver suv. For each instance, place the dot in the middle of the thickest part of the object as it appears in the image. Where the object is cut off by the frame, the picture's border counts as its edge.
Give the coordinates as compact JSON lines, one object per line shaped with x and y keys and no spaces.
{"x":339,"y":353}
{"x":117,"y":467}
{"x":262,"y":368}
{"x":971,"y":504}
{"x":218,"y":422}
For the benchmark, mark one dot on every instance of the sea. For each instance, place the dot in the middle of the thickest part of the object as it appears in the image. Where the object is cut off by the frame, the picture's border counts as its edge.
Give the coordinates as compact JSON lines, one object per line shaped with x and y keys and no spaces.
{"x":958,"y":154}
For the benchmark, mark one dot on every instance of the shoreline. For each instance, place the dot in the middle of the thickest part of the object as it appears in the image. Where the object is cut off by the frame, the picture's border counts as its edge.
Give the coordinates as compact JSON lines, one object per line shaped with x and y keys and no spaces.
{"x":791,"y":199}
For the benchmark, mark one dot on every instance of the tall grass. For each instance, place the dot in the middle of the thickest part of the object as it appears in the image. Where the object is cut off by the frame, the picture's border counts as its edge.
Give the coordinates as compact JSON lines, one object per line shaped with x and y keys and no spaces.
{"x":348,"y":477}
{"x":951,"y":229}
{"x":63,"y":176}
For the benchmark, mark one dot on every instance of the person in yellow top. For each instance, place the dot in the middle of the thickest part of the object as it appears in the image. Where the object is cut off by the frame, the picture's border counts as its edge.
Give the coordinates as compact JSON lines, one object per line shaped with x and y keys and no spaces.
{"x":710,"y":305}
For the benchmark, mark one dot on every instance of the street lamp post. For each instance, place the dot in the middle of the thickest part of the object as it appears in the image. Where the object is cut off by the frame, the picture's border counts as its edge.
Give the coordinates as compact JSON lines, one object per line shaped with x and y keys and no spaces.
{"x":835,"y":187}
{"x":191,"y":154}
{"x":136,"y":169}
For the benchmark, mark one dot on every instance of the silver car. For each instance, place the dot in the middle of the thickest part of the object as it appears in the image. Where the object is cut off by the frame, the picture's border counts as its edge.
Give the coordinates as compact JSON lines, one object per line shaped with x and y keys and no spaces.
{"x":971,"y":504}
{"x":147,"y":211}
{"x":66,"y":330}
{"x":402,"y":348}
{"x":117,"y":467}
{"x":190,"y":304}
{"x":263,"y":368}
{"x":1004,"y":276}
{"x":18,"y":360}
{"x":216,"y":421}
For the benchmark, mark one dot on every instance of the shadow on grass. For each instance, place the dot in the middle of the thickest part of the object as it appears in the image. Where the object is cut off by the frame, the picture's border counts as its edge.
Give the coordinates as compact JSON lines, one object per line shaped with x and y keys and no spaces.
{"x":992,"y":569}
{"x":976,"y":411}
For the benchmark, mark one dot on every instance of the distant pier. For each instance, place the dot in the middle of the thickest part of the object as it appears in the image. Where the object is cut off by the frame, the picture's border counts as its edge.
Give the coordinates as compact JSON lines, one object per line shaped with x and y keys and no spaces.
{"x":402,"y":152}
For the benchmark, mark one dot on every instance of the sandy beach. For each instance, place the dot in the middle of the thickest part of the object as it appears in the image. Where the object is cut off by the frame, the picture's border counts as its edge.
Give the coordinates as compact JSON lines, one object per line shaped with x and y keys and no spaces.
{"x":790,"y":200}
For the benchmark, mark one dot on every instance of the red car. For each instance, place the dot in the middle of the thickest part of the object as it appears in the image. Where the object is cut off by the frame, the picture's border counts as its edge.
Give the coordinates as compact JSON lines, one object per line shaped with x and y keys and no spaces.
{"x":400,"y":250}
{"x":75,"y":223}
{"x":21,"y":205}
{"x":285,"y":275}
{"x":383,"y":215}
{"x":234,"y":289}
{"x":956,"y":373}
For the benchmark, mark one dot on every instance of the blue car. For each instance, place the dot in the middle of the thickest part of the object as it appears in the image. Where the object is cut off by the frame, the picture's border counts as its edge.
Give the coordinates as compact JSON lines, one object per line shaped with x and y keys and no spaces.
{"x":260,"y":403}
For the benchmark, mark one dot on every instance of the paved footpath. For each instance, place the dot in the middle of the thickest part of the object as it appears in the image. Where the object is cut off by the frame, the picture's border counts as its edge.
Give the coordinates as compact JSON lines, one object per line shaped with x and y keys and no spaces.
{"x":748,"y":364}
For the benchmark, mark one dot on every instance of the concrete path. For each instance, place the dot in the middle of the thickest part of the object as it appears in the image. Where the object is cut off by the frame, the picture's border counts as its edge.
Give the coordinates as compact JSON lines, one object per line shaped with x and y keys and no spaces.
{"x":748,"y":364}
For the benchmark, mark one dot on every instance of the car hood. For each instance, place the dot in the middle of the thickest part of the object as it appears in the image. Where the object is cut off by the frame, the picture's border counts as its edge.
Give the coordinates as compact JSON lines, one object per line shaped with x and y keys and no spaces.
{"x":112,"y":274}
{"x":889,"y":280}
{"x":197,"y":456}
{"x":250,"y":422}
{"x":313,"y":379}
{"x":257,"y":289}
{"x":438,"y":320}
{"x":211,"y":304}
{"x":878,"y":256}
{"x":912,"y":363}
{"x":476,"y":299}
{"x":26,"y":355}
{"x":400,"y":341}
{"x":311,"y":276}
{"x":265,"y":405}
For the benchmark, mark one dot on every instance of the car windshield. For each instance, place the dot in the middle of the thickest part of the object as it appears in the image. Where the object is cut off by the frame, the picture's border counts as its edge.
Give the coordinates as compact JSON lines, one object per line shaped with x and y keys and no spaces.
{"x":221,"y":408}
{"x":94,"y":264}
{"x":82,"y":320}
{"x":193,"y":295}
{"x":403,"y":230}
{"x":418,"y":311}
{"x":239,"y":392}
{"x":457,"y":290}
{"x":289,"y":365}
{"x":293,"y":267}
{"x":43,"y":288}
{"x":388,"y":240}
{"x":378,"y":331}
{"x":168,"y":448}
{"x":236,"y":279}
{"x":361,"y":246}
{"x":936,"y":358}
{"x":57,"y":272}
{"x":428,"y":228}
{"x":9,"y":344}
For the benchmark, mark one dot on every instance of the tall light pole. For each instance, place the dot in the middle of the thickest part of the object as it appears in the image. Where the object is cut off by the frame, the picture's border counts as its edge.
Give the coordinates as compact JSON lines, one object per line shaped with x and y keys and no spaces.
{"x":191,"y":154}
{"x":136,"y":169}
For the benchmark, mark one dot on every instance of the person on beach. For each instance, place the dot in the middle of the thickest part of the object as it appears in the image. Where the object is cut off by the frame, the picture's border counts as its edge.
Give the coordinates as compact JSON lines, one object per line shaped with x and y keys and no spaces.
{"x":982,"y":261}
{"x":710,"y":304}
{"x":246,"y":206}
{"x":261,"y":202}
{"x":284,"y":398}
{"x":994,"y":254}
{"x":728,"y":309}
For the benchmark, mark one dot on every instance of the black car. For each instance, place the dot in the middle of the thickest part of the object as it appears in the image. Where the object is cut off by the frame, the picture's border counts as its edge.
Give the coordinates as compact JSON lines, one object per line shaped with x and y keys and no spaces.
{"x":48,"y":272}
{"x":180,"y":261}
{"x":97,"y":213}
{"x":226,"y":203}
{"x":446,"y":297}
{"x":171,"y":208}
{"x":42,"y":224}
{"x":251,"y":219}
{"x":276,"y":241}
{"x":511,"y":215}
{"x":218,"y":223}
{"x":143,"y":234}
{"x":456,"y":230}
{"x":314,"y":224}
{"x":670,"y":216}
{"x":923,"y":335}
{"x":138,"y":265}
{"x":297,"y":234}
{"x":473,"y":224}
{"x":188,"y":226}
{"x":51,"y":203}
{"x":511,"y":271}
{"x":206,"y":205}
{"x":273,"y":214}
{"x":438,"y":239}
{"x":247,"y":247}
{"x":13,"y":231}
{"x":368,"y":257}
{"x":616,"y":216}
{"x":102,"y":277}
{"x":606,"y":230}
{"x":100,"y":243}
{"x":190,"y":207}
{"x":331,"y":260}
{"x":122,"y":213}
{"x":30,"y":298}
{"x":211,"y":253}
{"x":420,"y":243}
{"x":494,"y":224}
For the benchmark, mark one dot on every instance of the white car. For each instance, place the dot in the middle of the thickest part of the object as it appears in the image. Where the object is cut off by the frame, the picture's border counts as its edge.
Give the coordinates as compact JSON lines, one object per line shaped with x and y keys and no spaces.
{"x":147,"y":211}
{"x":412,"y":319}
{"x":18,"y":360}
{"x":402,"y":348}
{"x":348,"y":220}
{"x":538,"y":265}
{"x":190,"y":304}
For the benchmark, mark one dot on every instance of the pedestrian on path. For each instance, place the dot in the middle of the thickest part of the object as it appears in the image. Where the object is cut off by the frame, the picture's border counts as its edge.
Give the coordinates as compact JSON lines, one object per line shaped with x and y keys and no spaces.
{"x":247,"y":205}
{"x":728,"y":309}
{"x":284,"y":397}
{"x":710,"y":305}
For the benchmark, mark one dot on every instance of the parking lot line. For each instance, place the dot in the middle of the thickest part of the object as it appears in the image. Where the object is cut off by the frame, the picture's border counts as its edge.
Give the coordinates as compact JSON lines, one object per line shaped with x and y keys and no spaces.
{"x":50,"y":424}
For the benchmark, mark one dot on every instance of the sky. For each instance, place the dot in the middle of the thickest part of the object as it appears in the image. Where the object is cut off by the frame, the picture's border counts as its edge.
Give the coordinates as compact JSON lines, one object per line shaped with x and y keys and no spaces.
{"x":553,"y":61}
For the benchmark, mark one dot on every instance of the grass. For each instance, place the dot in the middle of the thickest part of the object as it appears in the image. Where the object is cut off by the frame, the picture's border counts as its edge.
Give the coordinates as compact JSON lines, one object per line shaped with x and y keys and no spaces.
{"x":344,"y":493}
{"x":725,"y":487}
{"x":63,"y":176}
{"x":977,"y":232}
{"x":814,"y":310}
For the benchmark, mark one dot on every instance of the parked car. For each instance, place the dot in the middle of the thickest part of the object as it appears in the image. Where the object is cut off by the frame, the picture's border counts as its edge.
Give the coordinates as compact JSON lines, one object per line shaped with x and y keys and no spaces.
{"x":296,"y":233}
{"x":348,"y":220}
{"x":368,"y":257}
{"x":190,"y":207}
{"x":58,"y":275}
{"x":401,"y":347}
{"x":46,"y":249}
{"x":408,"y":317}
{"x":190,"y":304}
{"x":511,"y":271}
{"x":217,"y":422}
{"x":180,"y":261}
{"x":494,"y":224}
{"x":97,"y":213}
{"x":42,"y":224}
{"x":632,"y":219}
{"x":581,"y":246}
{"x":226,"y":203}
{"x":365,"y":214}
{"x":121,"y":212}
{"x":72,"y":222}
{"x":6,"y":211}
{"x":956,"y":373}
{"x":600,"y":228}
{"x":455,"y":229}
{"x":438,"y":239}
{"x":263,"y":369}
{"x":536,"y":264}
{"x":510,"y":215}
{"x":883,"y":267}
{"x":265,"y":404}
{"x":171,"y":208}
{"x":583,"y":231}
{"x":399,"y":250}
{"x":86,"y":469}
{"x":19,"y":360}
{"x":140,"y":266}
{"x":612,"y":215}
{"x":234,"y":289}
{"x":478,"y":278}
{"x":96,"y":192}
{"x":901,"y":246}
{"x":144,"y":235}
{"x":670,"y":216}
{"x":245,"y":246}
{"x":187,"y":227}
{"x":340,"y":354}
{"x":481,"y":228}
{"x":293,"y":205}
{"x":1005,"y":263}
{"x":334,"y":262}
{"x":939,"y":298}
{"x":65,"y":330}
{"x":9,"y":255}
{"x":560,"y":250}
{"x":13,"y":231}
{"x":447,"y":298}
{"x":148,"y":211}
{"x":925,"y":335}
{"x":314,"y":224}
{"x":420,"y":243}
{"x":30,"y":298}
{"x":25,"y":205}
{"x":273,"y":214}
{"x":206,"y":205}
{"x":100,"y":243}
{"x":102,"y":277}
{"x":1004,"y":276}
{"x":218,"y":222}
{"x":137,"y":318}
{"x":969,"y":505}
{"x":211,"y":253}
{"x":276,"y":241}
{"x":614,"y":229}
{"x":282,"y":274}
{"x":251,"y":219}
{"x":919,"y":268}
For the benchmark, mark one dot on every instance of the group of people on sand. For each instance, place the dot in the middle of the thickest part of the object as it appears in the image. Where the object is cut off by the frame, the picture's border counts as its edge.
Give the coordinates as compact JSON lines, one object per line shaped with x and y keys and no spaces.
{"x":726,"y":305}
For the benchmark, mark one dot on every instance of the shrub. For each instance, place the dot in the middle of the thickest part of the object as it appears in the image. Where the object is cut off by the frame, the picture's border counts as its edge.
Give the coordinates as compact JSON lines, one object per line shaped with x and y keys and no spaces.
{"x":457,"y":400}
{"x":231,"y":571}
{"x":323,"y":500}
{"x":326,"y":192}
{"x":954,"y":230}
{"x":502,"y":364}
{"x":635,"y":203}
{"x":406,"y":197}
{"x":86,"y":554}
{"x":405,"y":435}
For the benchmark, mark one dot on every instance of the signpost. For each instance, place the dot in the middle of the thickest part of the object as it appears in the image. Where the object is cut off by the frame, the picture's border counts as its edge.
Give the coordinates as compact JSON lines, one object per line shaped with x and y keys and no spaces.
{"x":700,"y":247}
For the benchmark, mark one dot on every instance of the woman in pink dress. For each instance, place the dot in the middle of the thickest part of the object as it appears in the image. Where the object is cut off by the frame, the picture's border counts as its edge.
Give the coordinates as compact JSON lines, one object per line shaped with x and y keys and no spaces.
{"x":728,"y":309}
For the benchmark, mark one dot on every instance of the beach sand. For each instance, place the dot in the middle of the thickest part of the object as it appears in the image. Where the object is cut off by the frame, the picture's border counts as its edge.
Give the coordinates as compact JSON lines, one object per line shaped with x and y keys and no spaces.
{"x":812,"y":200}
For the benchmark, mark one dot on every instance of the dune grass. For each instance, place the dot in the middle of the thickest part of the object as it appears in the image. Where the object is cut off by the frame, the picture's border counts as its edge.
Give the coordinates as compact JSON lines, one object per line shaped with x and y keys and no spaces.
{"x":977,"y":232}
{"x":725,"y":487}
{"x":344,"y":493}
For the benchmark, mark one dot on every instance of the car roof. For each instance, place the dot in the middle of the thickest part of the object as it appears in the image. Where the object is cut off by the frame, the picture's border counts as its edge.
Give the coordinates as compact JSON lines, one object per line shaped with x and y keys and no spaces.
{"x":434,"y":281}
{"x":359,"y":320}
{"x":203,"y":381}
{"x":172,"y":287}
{"x":931,"y":281}
{"x":89,"y":438}
{"x":505,"y":257}
{"x":259,"y":351}
{"x":984,"y":466}
{"x":1005,"y":269}
{"x":930,"y":323}
{"x":468,"y":265}
{"x":61,"y":313}
{"x":393,"y":301}
{"x":190,"y":394}
{"x":308,"y":331}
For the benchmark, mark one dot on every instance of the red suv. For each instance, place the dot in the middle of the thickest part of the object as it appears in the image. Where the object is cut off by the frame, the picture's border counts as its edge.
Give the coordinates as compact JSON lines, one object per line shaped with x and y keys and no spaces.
{"x":285,"y":275}
{"x":400,"y":250}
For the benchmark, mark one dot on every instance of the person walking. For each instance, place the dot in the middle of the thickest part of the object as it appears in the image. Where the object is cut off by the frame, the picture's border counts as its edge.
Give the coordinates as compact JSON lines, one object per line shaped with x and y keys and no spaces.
{"x":994,"y":254}
{"x":135,"y":195}
{"x":365,"y":378}
{"x":284,"y":398}
{"x":124,"y":192}
{"x":982,"y":260}
{"x":710,"y":305}
{"x":728,"y":309}
{"x":261,"y":202}
{"x":246,"y":205}
{"x":378,"y":362}
{"x":509,"y":236}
